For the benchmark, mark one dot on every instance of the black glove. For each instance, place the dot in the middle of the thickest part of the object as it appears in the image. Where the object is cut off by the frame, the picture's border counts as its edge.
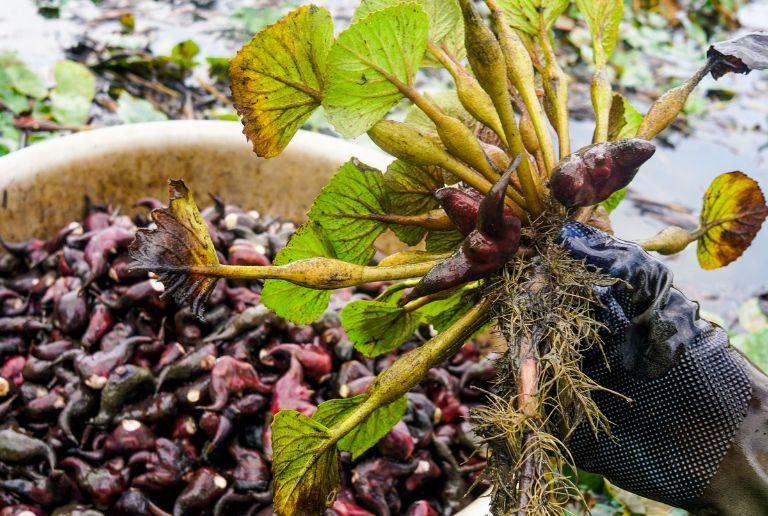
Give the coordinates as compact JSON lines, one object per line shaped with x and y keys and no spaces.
{"x":690,"y":389}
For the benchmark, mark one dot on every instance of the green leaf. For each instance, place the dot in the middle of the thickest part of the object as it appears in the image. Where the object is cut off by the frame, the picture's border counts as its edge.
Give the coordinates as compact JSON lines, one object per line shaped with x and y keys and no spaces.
{"x":305,"y":464}
{"x":612,"y":202}
{"x":131,"y":110}
{"x":385,"y":46}
{"x":443,"y":241}
{"x":21,"y":78}
{"x":356,"y":189}
{"x":298,"y":304}
{"x":332,"y":412}
{"x":409,"y":190}
{"x":443,"y":313}
{"x":446,"y":25}
{"x":755,"y":346}
{"x":603,"y":18}
{"x":624,"y":119}
{"x":75,"y":79}
{"x":530,"y":15}
{"x":377,"y":327}
{"x":183,"y":54}
{"x":75,"y":89}
{"x":277,"y":78}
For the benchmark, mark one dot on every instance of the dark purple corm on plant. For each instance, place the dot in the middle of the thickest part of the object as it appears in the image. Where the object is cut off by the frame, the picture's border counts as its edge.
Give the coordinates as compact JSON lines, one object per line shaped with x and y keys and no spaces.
{"x":590,"y":175}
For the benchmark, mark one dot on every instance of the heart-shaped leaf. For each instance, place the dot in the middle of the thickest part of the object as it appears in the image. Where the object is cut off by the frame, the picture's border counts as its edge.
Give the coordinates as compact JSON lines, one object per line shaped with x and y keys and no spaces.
{"x":739,"y":55}
{"x":298,"y":304}
{"x":377,"y":327}
{"x":441,"y":314}
{"x":734,"y":209}
{"x":443,"y":241}
{"x":367,"y":60}
{"x":355,"y":190}
{"x":332,"y":412}
{"x":305,"y":464}
{"x":446,"y":26}
{"x":277,"y":78}
{"x":179,"y":242}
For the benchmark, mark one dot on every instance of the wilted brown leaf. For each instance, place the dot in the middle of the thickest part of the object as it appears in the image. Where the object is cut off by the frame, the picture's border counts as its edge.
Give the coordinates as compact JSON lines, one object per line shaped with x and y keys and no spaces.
{"x":739,"y":55}
{"x":734,"y":209}
{"x":179,"y":242}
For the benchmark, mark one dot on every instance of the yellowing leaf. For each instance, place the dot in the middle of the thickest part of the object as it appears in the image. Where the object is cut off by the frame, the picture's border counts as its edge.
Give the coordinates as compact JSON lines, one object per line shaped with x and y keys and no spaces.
{"x":332,"y":412}
{"x":355,"y":190}
{"x":305,"y":465}
{"x":377,"y":327}
{"x":180,"y":241}
{"x":530,"y":16}
{"x":624,"y":119}
{"x":366,"y":61}
{"x":734,"y":209}
{"x":277,"y":78}
{"x":603,"y":18}
{"x":298,"y":304}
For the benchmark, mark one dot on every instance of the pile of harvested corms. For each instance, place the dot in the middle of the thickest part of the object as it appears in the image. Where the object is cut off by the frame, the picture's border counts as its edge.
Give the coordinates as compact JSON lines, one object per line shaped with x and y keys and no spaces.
{"x":115,"y":400}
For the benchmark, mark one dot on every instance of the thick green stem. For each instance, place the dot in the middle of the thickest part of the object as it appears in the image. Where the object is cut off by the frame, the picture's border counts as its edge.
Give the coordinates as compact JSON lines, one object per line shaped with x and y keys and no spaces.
{"x":556,"y":88}
{"x":602,"y":96}
{"x":411,"y":368}
{"x":669,"y":105}
{"x":471,"y":95}
{"x":520,"y":73}
{"x":410,"y":144}
{"x":318,"y":273}
{"x":487,"y":61}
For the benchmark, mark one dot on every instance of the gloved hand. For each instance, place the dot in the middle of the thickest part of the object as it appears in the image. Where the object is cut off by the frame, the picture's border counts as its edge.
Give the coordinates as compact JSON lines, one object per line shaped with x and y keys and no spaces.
{"x":696,"y":432}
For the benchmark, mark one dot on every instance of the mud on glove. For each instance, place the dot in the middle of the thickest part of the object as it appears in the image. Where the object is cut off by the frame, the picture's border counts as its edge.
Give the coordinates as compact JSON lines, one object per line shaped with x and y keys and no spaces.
{"x":689,"y":388}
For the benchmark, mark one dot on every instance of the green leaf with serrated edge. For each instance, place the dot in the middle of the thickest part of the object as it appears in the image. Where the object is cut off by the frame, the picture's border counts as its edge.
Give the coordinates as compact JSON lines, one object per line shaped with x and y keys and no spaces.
{"x":409,"y":190}
{"x":443,"y":241}
{"x":277,"y":78}
{"x":624,"y":119}
{"x":449,"y":102}
{"x":446,"y":25}
{"x":377,"y":327}
{"x":298,"y":304}
{"x":305,"y":465}
{"x":386,"y":44}
{"x":530,"y":16}
{"x":612,"y":202}
{"x":332,"y":412}
{"x":355,"y":190}
{"x":442,"y":313}
{"x":603,"y":18}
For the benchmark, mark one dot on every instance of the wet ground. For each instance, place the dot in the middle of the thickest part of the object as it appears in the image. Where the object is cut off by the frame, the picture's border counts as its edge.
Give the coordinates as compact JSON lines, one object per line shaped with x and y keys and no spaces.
{"x":723,"y":135}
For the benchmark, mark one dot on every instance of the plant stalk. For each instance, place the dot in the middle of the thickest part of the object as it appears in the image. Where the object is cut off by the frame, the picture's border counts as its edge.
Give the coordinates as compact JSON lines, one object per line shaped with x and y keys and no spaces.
{"x":520,"y":72}
{"x":487,"y":61}
{"x":318,"y":273}
{"x":410,"y":369}
{"x":558,"y":95}
{"x":668,"y":106}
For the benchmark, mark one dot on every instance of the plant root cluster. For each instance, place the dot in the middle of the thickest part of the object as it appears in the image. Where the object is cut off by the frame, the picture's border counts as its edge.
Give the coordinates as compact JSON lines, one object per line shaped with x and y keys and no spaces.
{"x":544,"y":309}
